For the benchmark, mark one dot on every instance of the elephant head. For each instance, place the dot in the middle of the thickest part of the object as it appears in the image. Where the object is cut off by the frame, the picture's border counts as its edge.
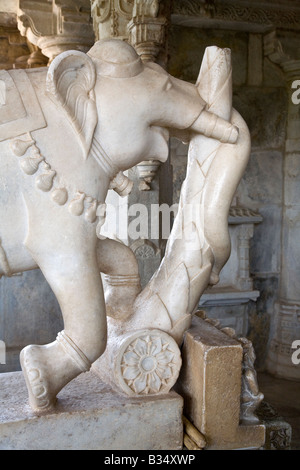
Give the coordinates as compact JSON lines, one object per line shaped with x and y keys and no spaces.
{"x":123,"y":110}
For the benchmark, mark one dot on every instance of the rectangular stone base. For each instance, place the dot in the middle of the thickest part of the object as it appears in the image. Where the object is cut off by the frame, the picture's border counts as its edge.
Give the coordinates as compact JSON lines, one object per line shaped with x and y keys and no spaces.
{"x":89,"y":416}
{"x":210,"y":383}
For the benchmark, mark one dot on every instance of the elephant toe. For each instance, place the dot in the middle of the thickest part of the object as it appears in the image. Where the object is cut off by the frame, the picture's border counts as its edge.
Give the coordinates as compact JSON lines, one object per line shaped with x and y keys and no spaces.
{"x":40,"y":397}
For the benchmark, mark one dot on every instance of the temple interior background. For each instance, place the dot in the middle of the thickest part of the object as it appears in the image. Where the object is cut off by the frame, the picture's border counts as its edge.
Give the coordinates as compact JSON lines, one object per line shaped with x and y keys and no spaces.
{"x":259,"y":290}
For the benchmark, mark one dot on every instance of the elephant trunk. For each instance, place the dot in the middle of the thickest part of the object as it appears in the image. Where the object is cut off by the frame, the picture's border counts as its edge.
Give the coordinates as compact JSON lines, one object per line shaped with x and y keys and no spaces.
{"x":120,"y":277}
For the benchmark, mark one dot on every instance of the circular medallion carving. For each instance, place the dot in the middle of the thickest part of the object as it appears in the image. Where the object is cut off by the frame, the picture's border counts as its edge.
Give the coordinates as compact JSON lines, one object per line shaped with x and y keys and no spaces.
{"x":148,"y":363}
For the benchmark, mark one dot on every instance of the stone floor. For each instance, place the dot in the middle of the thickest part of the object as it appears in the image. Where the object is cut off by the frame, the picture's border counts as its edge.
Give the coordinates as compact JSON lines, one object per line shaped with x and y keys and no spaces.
{"x":284,"y":396}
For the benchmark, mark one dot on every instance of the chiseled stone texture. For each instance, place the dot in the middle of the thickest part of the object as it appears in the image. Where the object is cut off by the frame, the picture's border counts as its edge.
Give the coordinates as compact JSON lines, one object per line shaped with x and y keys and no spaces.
{"x":88,"y":416}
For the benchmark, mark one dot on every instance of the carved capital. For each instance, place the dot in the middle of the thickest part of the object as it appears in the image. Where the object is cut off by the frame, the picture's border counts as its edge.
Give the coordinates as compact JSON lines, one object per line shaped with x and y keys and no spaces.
{"x":290,"y":67}
{"x":137,"y":21}
{"x":110,"y":18}
{"x":56,"y":27}
{"x":147,"y":36}
{"x":147,"y":29}
{"x":274,"y":50}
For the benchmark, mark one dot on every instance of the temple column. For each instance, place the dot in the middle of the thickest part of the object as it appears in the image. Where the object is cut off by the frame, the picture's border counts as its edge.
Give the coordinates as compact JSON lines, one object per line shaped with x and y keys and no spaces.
{"x":287,"y":310}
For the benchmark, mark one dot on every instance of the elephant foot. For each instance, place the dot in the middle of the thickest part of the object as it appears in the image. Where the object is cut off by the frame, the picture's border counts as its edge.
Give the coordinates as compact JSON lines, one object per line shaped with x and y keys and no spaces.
{"x":48,"y":368}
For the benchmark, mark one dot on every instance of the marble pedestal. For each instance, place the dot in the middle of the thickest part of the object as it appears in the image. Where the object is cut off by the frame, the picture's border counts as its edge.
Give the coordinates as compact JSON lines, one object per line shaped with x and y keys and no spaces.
{"x":89,"y":416}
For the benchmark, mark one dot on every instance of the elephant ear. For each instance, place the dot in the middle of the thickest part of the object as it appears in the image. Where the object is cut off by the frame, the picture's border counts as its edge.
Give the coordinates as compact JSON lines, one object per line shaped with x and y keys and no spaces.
{"x":70,"y":82}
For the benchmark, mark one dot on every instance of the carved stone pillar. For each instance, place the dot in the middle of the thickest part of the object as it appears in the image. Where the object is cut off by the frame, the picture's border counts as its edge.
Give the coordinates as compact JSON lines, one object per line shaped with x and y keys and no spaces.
{"x":147,"y":29}
{"x":54,"y":26}
{"x":142,"y":23}
{"x":287,"y":315}
{"x":110,"y":18}
{"x":147,"y":34}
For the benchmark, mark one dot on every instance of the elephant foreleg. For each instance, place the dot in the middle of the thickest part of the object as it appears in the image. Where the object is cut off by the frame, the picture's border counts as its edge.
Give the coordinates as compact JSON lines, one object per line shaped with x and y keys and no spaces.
{"x":78,"y":288}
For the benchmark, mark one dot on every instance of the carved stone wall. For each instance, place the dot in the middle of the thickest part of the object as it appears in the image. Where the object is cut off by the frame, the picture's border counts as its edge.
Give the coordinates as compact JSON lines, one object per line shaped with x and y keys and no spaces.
{"x":241,"y":14}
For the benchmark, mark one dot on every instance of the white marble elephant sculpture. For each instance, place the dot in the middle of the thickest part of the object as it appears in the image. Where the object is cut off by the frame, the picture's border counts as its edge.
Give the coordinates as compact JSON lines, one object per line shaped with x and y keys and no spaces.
{"x":66,"y":135}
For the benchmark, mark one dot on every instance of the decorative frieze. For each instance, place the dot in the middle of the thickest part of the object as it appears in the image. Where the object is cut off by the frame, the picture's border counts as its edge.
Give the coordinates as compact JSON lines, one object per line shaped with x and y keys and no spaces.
{"x":277,"y":14}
